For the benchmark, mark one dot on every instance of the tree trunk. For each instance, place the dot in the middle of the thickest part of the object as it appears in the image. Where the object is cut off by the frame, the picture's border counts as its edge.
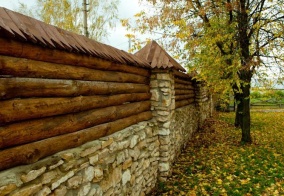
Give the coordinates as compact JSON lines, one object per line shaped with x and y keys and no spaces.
{"x":238,"y":110}
{"x":245,"y":114}
{"x":245,"y":74}
{"x":237,"y":115}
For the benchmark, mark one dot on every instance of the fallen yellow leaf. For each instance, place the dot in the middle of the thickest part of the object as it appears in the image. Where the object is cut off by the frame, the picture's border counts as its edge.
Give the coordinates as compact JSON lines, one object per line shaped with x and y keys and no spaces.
{"x":219,"y":181}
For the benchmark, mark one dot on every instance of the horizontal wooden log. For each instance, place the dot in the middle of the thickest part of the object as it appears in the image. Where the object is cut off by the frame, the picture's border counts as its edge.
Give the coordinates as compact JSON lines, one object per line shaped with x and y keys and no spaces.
{"x":184,"y":103}
{"x":125,"y":122}
{"x":24,"y":109}
{"x":182,"y":75}
{"x":32,"y":152}
{"x":184,"y":97}
{"x":19,"y":67}
{"x":34,"y":87}
{"x":183,"y":92}
{"x":180,"y":81}
{"x":34,"y":130}
{"x":30,"y":51}
{"x":183,"y":86}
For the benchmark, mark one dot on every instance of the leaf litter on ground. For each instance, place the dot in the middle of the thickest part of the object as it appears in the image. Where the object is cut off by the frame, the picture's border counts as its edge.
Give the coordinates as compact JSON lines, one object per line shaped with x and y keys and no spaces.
{"x":215,"y":163}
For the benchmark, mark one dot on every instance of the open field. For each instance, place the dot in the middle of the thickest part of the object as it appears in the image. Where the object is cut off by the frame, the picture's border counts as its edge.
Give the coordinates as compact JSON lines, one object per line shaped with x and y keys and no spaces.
{"x":214,"y":162}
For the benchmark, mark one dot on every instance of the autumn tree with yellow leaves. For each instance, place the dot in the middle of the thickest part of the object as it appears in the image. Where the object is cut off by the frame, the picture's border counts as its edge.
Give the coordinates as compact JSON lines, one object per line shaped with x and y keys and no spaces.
{"x":68,"y":15}
{"x":226,"y":41}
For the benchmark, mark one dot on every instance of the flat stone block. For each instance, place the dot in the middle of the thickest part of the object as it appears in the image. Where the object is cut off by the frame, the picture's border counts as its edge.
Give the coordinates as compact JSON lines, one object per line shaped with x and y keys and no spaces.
{"x":56,"y":165}
{"x":49,"y":176}
{"x":61,"y":180}
{"x":126,"y":176}
{"x":67,"y":156}
{"x":164,"y":131}
{"x":164,"y":84}
{"x":107,"y":142}
{"x":155,"y":94}
{"x":33,"y":174}
{"x":74,"y":182}
{"x":120,"y":158}
{"x":163,"y":76}
{"x":127,"y":164}
{"x":5,"y":190}
{"x":61,"y":191}
{"x":84,"y":190}
{"x":28,"y":190}
{"x":97,"y":146}
{"x":44,"y":191}
{"x":94,"y":159}
{"x":98,"y":174}
{"x":134,"y":141}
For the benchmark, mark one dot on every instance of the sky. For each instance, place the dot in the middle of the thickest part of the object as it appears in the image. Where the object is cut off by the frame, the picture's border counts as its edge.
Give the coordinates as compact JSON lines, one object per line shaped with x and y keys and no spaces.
{"x":117,"y":39}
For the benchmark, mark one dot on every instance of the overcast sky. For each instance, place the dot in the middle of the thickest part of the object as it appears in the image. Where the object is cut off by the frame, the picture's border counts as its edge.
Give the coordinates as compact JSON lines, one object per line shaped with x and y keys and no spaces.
{"x":127,"y":8}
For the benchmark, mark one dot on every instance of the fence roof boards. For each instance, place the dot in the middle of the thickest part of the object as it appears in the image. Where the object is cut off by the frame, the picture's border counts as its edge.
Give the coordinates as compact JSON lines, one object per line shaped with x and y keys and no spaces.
{"x":158,"y":57}
{"x":16,"y":26}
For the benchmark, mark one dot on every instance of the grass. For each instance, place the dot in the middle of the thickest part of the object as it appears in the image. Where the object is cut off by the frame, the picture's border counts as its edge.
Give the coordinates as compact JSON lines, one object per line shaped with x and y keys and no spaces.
{"x":214,"y":163}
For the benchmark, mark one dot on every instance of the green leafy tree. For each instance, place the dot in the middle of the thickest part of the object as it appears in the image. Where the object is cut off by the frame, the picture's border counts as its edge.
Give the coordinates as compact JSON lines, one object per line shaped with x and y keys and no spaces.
{"x":226,"y":41}
{"x":68,"y":15}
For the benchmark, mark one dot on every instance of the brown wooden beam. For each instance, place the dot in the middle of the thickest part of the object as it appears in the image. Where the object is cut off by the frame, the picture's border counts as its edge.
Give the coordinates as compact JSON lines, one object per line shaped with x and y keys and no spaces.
{"x":34,"y":108}
{"x":19,"y":67}
{"x":34,"y":87}
{"x":183,"y":92}
{"x":34,"y":130}
{"x":180,"y":81}
{"x":184,"y":103}
{"x":30,"y":51}
{"x":184,"y":97}
{"x":182,"y":75}
{"x":32,"y":152}
{"x":183,"y":86}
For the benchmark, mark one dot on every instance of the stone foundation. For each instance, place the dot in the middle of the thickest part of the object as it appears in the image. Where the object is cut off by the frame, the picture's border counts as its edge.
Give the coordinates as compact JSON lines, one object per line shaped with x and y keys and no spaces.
{"x":125,"y":163}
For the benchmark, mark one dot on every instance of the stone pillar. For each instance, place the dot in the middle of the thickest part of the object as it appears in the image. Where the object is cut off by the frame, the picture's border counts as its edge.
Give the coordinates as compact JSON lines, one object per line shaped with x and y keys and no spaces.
{"x":163,"y":106}
{"x":203,"y":102}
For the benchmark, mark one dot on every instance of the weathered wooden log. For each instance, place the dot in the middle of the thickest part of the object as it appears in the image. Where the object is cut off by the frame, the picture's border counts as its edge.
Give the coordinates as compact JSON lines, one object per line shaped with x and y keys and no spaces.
{"x":34,"y":87}
{"x":123,"y":123}
{"x":29,"y":51}
{"x":179,"y":74}
{"x":32,"y":152}
{"x":184,"y":103}
{"x":34,"y":130}
{"x":183,"y":86}
{"x":24,"y":109}
{"x":184,"y":97}
{"x":180,"y":81}
{"x":19,"y":67}
{"x":183,"y":92}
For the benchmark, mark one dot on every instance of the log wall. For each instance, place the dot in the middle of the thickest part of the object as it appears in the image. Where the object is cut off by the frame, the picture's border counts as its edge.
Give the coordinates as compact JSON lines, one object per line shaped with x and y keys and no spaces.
{"x":50,"y":103}
{"x":184,"y":89}
{"x":79,"y":117}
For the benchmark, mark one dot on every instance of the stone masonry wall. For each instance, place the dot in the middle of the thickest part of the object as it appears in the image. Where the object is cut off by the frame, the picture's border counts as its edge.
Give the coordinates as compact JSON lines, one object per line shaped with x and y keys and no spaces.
{"x":204,"y":103}
{"x":184,"y":124}
{"x":163,"y":105}
{"x":125,"y":163}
